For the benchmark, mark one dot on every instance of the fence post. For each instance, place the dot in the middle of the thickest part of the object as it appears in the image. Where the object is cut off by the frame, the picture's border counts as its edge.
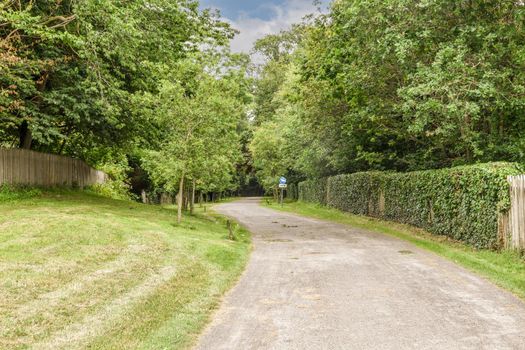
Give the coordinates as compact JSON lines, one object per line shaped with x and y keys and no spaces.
{"x":513,"y":226}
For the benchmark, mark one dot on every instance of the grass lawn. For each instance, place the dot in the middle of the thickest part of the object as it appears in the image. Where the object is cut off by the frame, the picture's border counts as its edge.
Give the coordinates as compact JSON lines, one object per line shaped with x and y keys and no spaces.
{"x":81,"y":271}
{"x":506,"y":269}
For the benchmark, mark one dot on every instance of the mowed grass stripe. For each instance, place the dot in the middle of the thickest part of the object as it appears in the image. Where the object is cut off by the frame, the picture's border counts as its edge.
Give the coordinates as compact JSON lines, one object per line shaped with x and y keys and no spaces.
{"x":89,"y":294}
{"x":75,"y":336}
{"x":51,"y":299}
{"x":99,"y":273}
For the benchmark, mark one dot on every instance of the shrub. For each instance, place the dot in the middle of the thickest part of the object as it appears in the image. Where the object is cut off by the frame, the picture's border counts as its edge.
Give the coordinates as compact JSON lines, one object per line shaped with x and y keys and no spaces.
{"x":313,"y":191}
{"x":292,"y":192}
{"x":13,"y":193}
{"x":116,"y":186}
{"x":463,"y":203}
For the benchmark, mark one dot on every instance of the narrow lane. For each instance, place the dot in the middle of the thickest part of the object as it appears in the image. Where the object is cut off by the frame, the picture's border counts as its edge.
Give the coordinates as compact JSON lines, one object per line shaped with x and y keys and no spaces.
{"x":312,"y":284}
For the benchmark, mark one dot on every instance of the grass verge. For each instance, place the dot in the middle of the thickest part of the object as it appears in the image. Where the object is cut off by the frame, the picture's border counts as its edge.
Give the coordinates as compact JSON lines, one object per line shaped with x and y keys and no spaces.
{"x":506,"y":268}
{"x":79,"y":271}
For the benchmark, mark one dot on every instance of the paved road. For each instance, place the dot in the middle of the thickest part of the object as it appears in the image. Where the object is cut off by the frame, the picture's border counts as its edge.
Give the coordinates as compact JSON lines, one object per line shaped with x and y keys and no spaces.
{"x":318,"y":285}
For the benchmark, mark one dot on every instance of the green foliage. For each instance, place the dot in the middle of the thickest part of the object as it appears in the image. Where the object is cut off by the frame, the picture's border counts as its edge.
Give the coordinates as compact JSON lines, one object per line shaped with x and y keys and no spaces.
{"x":399,"y":85}
{"x":277,"y":49}
{"x":378,"y":86}
{"x":461,"y":202}
{"x":292,"y":192}
{"x":425,"y":85}
{"x":270,"y":159}
{"x":65,"y":80}
{"x":95,"y":79}
{"x":200,"y":123}
{"x":14,"y":193}
{"x":116,"y":186}
{"x":313,"y":191}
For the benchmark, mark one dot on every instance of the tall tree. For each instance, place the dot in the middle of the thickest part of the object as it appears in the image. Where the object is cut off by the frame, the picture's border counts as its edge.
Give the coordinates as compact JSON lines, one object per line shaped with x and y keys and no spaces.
{"x":69,"y":69}
{"x":200,"y":117}
{"x":399,"y":85}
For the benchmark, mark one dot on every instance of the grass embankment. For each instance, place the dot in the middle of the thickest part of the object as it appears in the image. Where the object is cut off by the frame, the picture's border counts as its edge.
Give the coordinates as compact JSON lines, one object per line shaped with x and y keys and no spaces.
{"x":81,"y":271}
{"x":506,"y":268}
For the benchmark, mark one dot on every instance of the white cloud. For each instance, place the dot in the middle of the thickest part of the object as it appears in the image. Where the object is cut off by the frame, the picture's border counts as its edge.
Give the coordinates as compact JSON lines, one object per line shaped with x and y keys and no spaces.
{"x":282,"y":17}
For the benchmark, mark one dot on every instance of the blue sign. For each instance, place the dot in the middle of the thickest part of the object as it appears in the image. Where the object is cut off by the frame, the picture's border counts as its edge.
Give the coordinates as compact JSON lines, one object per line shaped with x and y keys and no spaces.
{"x":282,"y":180}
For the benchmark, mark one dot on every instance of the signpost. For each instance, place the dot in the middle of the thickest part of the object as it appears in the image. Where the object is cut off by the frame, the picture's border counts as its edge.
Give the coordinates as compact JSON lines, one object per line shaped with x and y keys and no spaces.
{"x":282,"y":187}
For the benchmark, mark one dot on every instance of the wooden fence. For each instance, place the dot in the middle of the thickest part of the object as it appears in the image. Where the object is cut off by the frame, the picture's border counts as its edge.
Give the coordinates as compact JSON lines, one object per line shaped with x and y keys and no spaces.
{"x":24,"y":167}
{"x":512,"y":224}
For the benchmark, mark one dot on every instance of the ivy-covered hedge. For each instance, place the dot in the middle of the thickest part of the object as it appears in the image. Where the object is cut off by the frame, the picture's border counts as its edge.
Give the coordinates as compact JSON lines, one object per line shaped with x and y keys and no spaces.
{"x":313,"y":191}
{"x":462,"y":202}
{"x":292,"y":191}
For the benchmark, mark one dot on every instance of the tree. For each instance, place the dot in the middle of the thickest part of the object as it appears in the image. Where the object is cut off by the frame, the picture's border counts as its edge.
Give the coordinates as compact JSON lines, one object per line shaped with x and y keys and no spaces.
{"x":398,"y":85}
{"x":421,"y":85}
{"x":66,"y":86}
{"x":200,"y":118}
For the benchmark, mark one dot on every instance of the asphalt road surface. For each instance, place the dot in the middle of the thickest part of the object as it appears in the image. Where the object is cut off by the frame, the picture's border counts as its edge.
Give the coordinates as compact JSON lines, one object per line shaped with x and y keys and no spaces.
{"x":312,"y":284}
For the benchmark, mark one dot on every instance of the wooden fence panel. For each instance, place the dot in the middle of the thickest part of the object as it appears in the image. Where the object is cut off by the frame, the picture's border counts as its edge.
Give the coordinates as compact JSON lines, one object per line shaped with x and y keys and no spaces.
{"x":24,"y":167}
{"x":513,"y":225}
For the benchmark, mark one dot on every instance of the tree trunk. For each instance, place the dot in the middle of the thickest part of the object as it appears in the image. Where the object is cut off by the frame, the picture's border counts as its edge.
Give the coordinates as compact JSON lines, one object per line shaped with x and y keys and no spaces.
{"x":185,"y":200}
{"x":192,"y":203}
{"x":26,"y":137}
{"x":62,"y":146}
{"x":179,"y":199}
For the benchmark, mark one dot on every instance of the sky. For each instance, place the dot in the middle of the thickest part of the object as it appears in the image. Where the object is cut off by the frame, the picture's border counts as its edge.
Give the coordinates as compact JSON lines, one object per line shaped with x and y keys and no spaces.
{"x":257,"y":18}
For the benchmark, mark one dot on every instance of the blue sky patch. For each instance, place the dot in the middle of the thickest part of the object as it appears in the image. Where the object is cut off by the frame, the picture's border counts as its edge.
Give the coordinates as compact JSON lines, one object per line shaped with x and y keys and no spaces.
{"x":255,"y":19}
{"x":253,"y":8}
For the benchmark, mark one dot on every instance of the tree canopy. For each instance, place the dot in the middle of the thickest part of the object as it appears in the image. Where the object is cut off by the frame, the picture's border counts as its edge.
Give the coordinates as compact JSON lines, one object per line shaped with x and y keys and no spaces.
{"x":152,"y":81}
{"x":69,"y":69}
{"x":395,"y":85}
{"x":151,"y":86}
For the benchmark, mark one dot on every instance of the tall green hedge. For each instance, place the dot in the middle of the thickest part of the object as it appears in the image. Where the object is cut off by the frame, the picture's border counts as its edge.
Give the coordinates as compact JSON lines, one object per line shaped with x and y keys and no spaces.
{"x":292,"y":192}
{"x":462,"y":202}
{"x":313,"y":191}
